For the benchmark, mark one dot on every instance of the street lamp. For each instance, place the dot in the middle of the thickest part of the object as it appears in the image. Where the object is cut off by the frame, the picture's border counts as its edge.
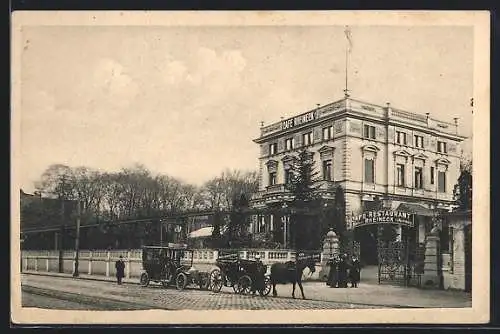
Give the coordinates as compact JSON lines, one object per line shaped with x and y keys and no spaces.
{"x":285,"y":225}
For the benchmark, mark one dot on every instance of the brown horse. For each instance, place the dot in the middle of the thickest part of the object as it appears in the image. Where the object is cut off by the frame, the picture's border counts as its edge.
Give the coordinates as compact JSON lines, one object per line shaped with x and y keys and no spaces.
{"x":291,"y":272}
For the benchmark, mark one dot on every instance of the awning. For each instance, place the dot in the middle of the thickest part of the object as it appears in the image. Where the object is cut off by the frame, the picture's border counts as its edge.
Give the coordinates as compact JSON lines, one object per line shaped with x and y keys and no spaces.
{"x":201,"y":233}
{"x":416,"y":209}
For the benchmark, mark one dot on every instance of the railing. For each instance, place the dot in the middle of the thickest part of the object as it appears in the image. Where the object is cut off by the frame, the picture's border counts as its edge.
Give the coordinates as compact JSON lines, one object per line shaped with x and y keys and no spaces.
{"x":408,"y":115}
{"x":276,"y":188}
{"x":101,"y":262}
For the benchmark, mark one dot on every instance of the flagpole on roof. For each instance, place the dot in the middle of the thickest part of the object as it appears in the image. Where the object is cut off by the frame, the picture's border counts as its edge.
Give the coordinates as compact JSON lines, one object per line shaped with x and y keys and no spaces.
{"x":347,"y":32}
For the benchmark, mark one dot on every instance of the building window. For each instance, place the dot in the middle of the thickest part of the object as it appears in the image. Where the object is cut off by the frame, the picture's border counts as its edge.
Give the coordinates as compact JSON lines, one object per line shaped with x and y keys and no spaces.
{"x":327,"y":170}
{"x":418,"y":178}
{"x":400,"y":176}
{"x":289,"y":144}
{"x":441,"y":147}
{"x":328,"y":133}
{"x":272,"y":178}
{"x":307,"y":139}
{"x":400,"y":138}
{"x":369,"y":132}
{"x":442,"y":182}
{"x":273,"y":148}
{"x":369,"y":171}
{"x":432,"y":175}
{"x":419,"y":141}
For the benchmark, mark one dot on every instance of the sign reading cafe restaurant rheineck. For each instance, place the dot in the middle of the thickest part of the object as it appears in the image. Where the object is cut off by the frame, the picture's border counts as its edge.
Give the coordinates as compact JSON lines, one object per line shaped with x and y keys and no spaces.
{"x":383,"y":217}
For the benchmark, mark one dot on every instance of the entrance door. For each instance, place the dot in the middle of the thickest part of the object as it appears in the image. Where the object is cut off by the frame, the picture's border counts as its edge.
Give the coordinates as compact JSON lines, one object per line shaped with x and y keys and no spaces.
{"x":366,"y":237}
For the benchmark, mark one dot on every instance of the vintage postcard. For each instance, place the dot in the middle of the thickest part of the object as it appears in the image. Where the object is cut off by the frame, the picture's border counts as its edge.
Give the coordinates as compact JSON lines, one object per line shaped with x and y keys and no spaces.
{"x":250,"y":167}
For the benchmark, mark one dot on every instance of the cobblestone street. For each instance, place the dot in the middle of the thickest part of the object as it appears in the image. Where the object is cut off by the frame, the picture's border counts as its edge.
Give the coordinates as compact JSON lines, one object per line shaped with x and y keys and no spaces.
{"x":102,"y":294}
{"x":131,"y":296}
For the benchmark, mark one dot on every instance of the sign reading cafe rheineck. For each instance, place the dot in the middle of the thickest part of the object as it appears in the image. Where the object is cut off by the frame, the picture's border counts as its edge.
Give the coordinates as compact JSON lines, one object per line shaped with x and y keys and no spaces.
{"x":383,"y":217}
{"x":298,"y":120}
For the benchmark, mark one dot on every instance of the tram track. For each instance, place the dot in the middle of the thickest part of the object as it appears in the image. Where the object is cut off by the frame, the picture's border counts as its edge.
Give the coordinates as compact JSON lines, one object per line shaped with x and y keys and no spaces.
{"x":99,"y":301}
{"x":117,"y":302}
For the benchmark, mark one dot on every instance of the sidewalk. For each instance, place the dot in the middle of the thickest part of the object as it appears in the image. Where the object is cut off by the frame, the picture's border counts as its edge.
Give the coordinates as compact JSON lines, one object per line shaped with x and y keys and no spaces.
{"x":368,"y":293}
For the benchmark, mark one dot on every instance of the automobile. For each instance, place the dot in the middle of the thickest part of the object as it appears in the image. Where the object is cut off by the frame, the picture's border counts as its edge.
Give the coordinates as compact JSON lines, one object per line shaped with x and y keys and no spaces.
{"x":171,"y":265}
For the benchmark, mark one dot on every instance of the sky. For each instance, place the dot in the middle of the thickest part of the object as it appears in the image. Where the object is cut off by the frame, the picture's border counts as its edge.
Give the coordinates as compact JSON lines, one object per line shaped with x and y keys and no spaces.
{"x":187,"y":101}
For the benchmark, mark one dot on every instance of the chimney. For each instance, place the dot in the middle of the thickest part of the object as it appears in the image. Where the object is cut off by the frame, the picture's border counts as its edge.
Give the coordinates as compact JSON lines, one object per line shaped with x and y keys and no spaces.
{"x":455,"y":119}
{"x":428,"y":117}
{"x":261,"y":124}
{"x":388,"y":109}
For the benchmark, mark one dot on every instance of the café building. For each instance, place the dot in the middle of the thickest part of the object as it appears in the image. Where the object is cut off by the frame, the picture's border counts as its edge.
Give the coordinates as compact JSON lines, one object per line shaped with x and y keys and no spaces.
{"x":386,"y":159}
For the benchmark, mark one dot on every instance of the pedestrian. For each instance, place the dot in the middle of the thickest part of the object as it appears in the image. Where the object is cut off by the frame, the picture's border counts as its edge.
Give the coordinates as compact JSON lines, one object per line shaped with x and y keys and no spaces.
{"x":342,"y":272}
{"x":355,"y":272}
{"x":120,"y":270}
{"x":258,"y":283}
{"x":332,"y":273}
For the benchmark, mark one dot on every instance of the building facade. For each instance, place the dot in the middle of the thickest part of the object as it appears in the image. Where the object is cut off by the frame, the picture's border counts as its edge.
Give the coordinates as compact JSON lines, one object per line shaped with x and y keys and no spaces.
{"x":405,"y":161}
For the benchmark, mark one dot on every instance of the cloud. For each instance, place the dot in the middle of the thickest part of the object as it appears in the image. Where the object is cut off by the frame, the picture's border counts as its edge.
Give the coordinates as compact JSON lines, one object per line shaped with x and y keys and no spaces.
{"x":36,"y":106}
{"x":111,"y":84}
{"x":215,"y":71}
{"x":174,"y":72}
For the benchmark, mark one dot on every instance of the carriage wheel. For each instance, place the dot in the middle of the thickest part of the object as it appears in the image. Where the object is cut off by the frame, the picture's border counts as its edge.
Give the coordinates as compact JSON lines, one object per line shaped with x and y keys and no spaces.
{"x":215,"y":281}
{"x":267,"y":287}
{"x":144,"y":280}
{"x":181,"y":281}
{"x":235,"y":287}
{"x":244,"y":285}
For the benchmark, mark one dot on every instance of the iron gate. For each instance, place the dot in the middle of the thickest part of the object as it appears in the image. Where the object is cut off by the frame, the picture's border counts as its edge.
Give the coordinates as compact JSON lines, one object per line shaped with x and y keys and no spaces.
{"x":400,"y":263}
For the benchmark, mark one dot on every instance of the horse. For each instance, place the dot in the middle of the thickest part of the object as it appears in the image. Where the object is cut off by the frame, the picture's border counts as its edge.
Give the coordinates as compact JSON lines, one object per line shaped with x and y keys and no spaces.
{"x":291,"y":272}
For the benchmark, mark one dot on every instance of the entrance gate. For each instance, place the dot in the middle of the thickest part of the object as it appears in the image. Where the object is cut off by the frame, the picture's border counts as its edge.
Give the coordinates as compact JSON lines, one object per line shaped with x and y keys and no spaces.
{"x":400,"y":261}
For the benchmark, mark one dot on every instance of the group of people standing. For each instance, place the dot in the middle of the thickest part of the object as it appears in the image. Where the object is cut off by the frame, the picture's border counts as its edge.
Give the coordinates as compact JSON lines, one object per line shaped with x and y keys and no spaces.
{"x":342,"y":271}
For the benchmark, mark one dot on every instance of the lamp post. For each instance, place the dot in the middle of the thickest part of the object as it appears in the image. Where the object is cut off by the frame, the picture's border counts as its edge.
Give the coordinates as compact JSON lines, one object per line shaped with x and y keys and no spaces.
{"x":285,"y":225}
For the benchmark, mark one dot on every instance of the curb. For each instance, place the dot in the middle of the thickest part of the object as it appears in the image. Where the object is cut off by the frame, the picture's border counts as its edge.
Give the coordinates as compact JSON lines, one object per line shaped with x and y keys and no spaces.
{"x":95,"y":278}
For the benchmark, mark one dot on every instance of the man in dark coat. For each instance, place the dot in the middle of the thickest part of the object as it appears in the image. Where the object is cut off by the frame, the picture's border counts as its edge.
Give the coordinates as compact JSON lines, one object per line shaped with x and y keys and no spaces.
{"x":342,"y":272}
{"x":332,"y":273}
{"x":355,"y":272}
{"x":120,"y":270}
{"x":258,"y":282}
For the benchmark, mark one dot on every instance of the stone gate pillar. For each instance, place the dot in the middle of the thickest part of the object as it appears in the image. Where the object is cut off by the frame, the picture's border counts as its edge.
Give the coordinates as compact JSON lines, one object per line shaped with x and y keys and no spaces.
{"x":330,"y":248}
{"x":432,"y":262}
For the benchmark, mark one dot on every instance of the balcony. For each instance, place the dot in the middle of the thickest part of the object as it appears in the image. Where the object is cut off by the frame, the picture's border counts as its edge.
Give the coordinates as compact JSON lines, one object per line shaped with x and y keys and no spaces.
{"x":279,"y":192}
{"x":276,"y":188}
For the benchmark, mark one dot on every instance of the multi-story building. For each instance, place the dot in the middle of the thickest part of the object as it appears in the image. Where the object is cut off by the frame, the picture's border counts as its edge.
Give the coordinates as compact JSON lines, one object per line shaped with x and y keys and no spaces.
{"x":407,"y":161}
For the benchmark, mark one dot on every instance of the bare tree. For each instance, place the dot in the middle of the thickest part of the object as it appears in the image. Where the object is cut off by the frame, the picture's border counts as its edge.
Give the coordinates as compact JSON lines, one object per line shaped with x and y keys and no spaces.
{"x":57,"y":181}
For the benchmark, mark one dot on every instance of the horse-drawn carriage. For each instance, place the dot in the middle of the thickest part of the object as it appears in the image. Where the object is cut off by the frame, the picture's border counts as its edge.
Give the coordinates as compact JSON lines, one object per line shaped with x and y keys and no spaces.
{"x":243,"y":275}
{"x":170,"y":266}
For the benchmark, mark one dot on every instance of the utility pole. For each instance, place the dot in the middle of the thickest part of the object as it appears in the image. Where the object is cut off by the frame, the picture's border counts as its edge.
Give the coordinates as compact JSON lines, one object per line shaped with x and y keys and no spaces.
{"x":77,"y":239}
{"x":61,"y":237}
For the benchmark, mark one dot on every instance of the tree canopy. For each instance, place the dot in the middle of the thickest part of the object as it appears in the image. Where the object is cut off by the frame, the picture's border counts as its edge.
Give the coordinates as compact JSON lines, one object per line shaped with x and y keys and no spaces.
{"x":462,"y":192}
